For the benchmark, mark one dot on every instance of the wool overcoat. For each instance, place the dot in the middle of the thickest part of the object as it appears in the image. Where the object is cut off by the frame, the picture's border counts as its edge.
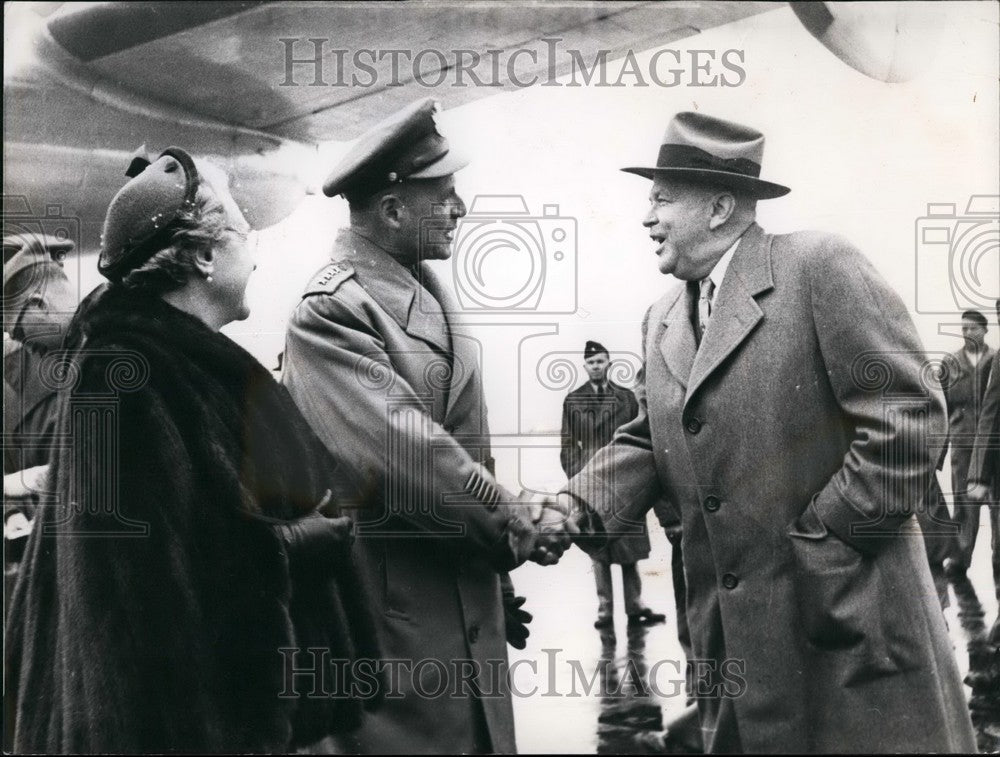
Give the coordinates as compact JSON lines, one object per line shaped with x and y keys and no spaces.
{"x":381,"y":370}
{"x":796,"y":444}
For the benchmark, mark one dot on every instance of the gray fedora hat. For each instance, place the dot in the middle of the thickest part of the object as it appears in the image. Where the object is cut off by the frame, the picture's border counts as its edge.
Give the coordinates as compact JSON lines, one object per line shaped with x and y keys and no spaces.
{"x":711,"y":150}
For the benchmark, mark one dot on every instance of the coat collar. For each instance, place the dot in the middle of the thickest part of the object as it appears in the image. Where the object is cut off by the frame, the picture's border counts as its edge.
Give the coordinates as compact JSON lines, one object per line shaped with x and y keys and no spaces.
{"x":735,"y":315}
{"x":465,"y":349}
{"x":396,"y":290}
{"x":423,"y":308}
{"x":613,"y":389}
{"x":965,"y":365}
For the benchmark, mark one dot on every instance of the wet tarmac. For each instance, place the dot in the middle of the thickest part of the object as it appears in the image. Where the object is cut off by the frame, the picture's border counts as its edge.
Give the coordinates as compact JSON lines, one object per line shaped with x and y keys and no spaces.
{"x":580,"y":690}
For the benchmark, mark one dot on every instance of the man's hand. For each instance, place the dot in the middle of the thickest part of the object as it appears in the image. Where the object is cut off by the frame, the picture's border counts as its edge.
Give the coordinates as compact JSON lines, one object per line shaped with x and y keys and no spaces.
{"x":978,"y":492}
{"x":16,"y":526}
{"x":555,"y":526}
{"x":25,"y":483}
{"x":10,"y":345}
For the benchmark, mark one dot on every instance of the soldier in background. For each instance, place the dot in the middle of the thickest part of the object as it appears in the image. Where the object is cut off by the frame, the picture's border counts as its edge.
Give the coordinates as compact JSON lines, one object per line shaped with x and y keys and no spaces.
{"x":964,"y":383}
{"x":984,"y":466}
{"x":591,"y":413}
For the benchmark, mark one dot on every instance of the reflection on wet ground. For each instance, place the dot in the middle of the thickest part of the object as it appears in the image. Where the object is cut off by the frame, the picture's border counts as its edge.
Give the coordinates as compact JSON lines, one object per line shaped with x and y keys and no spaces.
{"x":620,"y":712}
{"x":628,"y":711}
{"x":631,"y":719}
{"x":984,"y":664}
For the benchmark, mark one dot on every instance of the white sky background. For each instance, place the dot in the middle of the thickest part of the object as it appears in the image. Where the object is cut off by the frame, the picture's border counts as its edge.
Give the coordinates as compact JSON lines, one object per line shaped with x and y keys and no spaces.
{"x":863,"y":159}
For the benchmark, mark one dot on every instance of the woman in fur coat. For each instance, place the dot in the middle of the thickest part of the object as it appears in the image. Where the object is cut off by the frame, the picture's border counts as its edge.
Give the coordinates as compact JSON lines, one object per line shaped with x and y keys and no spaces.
{"x":182,"y":570}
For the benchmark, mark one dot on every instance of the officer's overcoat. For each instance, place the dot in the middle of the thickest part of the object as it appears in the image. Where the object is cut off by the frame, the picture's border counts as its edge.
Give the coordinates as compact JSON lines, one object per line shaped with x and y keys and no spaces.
{"x":379,"y":368}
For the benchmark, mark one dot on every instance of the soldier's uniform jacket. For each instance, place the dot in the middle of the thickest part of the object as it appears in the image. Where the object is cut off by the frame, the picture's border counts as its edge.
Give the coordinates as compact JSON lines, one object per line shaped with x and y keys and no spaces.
{"x":390,"y":383}
{"x":589,"y":421}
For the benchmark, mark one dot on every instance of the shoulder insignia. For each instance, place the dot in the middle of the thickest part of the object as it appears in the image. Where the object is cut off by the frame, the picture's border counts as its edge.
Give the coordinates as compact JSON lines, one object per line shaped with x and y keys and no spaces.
{"x":329,"y":278}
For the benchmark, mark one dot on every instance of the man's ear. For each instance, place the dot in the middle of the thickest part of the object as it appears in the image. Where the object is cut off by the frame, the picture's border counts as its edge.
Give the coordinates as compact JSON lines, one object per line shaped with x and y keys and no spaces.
{"x":391,"y":210}
{"x":723,"y":205}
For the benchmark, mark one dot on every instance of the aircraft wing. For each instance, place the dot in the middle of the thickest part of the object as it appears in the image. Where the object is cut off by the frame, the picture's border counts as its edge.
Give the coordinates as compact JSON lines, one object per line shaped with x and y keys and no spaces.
{"x":226,"y":61}
{"x":86,"y":84}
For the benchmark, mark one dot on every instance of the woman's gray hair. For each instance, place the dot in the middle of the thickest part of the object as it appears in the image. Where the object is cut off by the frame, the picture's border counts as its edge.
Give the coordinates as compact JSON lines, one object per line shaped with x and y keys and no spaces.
{"x":194,"y":230}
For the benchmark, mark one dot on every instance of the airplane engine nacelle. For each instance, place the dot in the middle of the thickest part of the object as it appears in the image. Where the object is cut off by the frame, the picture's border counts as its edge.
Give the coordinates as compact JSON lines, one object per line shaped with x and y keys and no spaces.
{"x":890,"y":42}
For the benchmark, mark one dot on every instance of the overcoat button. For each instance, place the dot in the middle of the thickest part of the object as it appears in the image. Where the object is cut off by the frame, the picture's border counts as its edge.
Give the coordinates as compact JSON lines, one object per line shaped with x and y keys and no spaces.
{"x":730,"y":581}
{"x":693,"y":425}
{"x":473,"y":634}
{"x":712,"y":503}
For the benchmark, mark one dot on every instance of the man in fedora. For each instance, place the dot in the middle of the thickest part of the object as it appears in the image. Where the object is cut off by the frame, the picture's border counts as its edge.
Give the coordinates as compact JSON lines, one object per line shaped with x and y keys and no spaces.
{"x":783,"y":413}
{"x":591,"y":413}
{"x":382,"y":369}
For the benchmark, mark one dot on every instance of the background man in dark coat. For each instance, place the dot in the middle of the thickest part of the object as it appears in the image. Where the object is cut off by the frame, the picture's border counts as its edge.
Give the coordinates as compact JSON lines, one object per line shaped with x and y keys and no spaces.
{"x":771,"y":417}
{"x":984,"y":464}
{"x":964,"y":383}
{"x":591,"y":413}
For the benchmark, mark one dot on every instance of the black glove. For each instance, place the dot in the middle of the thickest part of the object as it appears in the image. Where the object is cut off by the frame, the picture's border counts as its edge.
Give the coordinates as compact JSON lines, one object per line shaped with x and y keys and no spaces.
{"x":515,"y":621}
{"x":316,"y":543}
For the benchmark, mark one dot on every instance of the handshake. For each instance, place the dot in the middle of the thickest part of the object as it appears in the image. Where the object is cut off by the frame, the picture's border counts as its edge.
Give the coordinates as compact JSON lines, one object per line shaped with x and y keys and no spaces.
{"x":548,"y":523}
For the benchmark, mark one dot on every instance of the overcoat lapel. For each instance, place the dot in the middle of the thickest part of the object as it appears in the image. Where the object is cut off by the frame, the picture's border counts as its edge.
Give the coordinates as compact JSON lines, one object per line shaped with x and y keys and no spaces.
{"x":736,"y":312}
{"x":465,"y":349}
{"x":395,"y":289}
{"x":677,"y":343}
{"x":427,"y":322}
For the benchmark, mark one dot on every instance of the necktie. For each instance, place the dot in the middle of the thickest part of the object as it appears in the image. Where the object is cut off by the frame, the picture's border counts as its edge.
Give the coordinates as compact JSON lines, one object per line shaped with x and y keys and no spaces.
{"x":707,"y":289}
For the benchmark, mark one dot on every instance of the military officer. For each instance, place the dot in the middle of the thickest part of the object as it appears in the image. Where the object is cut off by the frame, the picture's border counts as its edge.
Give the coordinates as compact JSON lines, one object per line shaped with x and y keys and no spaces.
{"x":376,"y":359}
{"x":591,"y":413}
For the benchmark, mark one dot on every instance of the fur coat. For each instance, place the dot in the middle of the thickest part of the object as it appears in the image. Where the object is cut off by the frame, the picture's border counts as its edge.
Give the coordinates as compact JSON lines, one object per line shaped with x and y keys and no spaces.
{"x":156,"y":594}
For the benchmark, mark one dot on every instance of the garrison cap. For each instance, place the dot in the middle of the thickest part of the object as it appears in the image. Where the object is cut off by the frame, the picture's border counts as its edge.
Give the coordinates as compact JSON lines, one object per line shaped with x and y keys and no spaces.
{"x":407,"y":145}
{"x":593,"y":348}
